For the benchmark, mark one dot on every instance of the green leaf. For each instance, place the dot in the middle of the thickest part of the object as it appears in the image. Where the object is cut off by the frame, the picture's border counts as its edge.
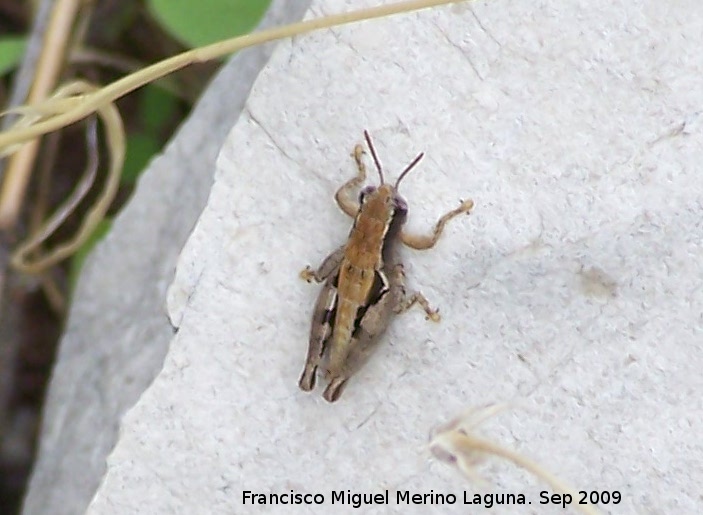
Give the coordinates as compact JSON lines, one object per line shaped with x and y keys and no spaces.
{"x":141,"y":147}
{"x":11,"y":50}
{"x":207,"y":21}
{"x":156,"y":107}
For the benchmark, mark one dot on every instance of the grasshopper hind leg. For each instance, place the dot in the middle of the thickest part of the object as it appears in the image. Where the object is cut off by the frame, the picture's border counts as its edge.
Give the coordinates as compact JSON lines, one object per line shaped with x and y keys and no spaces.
{"x":320,"y":332}
{"x":372,"y":325}
{"x":323,"y":315}
{"x":367,"y":333}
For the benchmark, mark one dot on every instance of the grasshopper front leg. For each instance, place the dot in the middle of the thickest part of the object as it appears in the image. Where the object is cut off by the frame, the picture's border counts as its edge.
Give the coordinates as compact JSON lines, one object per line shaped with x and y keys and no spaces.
{"x":346,"y":194}
{"x":321,"y":327}
{"x":425,"y":242}
{"x":371,"y":327}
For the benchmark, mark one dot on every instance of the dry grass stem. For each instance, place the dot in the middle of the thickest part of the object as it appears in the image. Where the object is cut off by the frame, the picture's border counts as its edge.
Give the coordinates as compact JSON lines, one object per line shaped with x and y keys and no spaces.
{"x":27,"y":257}
{"x":456,"y":443}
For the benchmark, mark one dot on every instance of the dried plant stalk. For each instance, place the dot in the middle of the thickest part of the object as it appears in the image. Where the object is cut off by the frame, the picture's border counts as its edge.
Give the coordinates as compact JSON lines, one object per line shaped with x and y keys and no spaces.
{"x":28,"y":257}
{"x":456,"y":443}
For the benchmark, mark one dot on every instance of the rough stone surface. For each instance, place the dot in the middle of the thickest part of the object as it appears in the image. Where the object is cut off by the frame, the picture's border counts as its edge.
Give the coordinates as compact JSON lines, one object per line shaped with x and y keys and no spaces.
{"x":118,"y":332}
{"x":574,"y":291}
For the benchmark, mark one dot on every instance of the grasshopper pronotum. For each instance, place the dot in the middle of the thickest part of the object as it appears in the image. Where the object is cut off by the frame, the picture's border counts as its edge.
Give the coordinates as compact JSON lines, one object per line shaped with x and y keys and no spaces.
{"x":364,"y":281}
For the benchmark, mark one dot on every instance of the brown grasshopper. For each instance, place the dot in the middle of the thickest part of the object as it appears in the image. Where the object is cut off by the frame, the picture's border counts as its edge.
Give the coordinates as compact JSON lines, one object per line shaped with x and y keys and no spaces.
{"x":364,"y":281}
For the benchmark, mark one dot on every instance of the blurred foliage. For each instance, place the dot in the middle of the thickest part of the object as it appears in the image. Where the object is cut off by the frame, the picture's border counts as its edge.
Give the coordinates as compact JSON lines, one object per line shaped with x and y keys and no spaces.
{"x":156,"y":111}
{"x":11,"y":50}
{"x":110,"y":39}
{"x":207,"y":21}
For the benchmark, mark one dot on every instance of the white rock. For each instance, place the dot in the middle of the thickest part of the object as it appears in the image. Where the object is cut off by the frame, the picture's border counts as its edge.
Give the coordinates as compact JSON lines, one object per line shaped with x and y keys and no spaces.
{"x":558,"y":119}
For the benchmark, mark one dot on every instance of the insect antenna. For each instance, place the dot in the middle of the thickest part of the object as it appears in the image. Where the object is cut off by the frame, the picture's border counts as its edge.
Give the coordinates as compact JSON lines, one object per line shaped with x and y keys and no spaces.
{"x":373,"y":154}
{"x":408,"y":168}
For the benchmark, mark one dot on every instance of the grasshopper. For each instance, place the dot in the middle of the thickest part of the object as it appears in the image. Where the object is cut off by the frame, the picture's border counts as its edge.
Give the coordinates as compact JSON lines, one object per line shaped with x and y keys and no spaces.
{"x":364,"y":280}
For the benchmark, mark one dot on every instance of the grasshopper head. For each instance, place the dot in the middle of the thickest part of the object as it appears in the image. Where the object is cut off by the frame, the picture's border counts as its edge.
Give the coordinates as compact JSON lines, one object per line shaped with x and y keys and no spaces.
{"x":385,"y":192}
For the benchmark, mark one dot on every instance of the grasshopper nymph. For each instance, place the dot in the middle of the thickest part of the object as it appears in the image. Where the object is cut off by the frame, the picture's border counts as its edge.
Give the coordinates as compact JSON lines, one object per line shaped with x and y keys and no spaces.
{"x":364,"y":281}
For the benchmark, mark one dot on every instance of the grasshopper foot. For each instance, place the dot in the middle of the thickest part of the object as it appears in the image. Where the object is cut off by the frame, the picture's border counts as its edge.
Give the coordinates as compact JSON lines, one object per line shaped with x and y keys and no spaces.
{"x":307,"y":274}
{"x":335,"y":388}
{"x":466,"y":206}
{"x":418,"y":298}
{"x":307,"y":379}
{"x":433,"y":314}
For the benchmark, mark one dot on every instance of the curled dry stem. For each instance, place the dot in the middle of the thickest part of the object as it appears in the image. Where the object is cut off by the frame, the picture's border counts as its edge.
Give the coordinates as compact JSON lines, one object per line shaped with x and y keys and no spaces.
{"x":457,"y":444}
{"x":27,"y":257}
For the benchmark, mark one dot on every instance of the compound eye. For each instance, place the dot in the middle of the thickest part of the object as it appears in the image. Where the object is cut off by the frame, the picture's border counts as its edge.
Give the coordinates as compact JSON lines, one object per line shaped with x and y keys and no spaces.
{"x":366,"y":191}
{"x":400,"y":204}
